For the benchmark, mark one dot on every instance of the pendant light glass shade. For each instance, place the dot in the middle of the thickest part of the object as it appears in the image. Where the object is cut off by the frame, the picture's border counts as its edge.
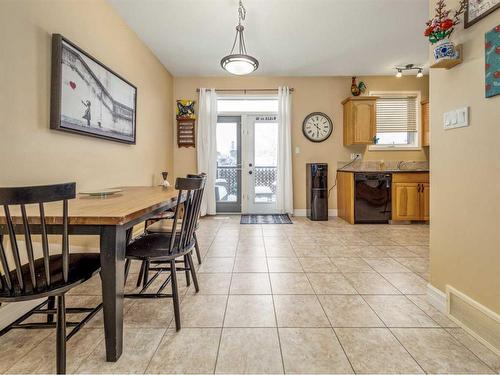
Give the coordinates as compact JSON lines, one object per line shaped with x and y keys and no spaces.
{"x":239,"y":63}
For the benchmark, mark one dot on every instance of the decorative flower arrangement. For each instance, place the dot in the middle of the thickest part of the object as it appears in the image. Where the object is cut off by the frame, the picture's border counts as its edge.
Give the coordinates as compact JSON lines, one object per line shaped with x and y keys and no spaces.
{"x":442,"y":25}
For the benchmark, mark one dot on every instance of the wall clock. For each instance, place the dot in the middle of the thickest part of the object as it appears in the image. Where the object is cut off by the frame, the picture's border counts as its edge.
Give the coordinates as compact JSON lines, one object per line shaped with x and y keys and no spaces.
{"x":317,"y":127}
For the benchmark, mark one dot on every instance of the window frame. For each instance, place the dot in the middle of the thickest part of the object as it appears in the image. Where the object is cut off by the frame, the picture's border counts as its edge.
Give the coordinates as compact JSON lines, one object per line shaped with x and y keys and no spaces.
{"x":246,"y":97}
{"x":417,"y":146}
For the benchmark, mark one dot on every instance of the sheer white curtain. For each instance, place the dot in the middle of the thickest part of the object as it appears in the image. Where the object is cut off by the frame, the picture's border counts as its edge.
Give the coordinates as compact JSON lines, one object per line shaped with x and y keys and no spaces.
{"x":284,"y":193}
{"x":206,"y":148}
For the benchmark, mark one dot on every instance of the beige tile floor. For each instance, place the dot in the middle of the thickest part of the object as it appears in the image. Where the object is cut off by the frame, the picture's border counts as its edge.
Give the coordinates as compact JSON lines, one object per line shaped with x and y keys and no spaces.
{"x":308,"y":298}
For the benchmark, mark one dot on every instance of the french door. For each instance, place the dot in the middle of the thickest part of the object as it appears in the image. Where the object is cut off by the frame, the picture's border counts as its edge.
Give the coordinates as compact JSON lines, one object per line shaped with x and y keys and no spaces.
{"x":247,"y":163}
{"x":228,"y":180}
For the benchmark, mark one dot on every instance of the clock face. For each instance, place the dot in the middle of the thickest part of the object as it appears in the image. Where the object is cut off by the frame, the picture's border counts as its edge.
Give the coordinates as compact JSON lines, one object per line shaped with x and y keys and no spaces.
{"x":317,"y":127}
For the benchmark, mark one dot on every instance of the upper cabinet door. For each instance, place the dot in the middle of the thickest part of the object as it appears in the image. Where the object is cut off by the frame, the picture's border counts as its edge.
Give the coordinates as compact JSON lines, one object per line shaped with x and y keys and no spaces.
{"x":359,"y":120}
{"x":364,"y":122}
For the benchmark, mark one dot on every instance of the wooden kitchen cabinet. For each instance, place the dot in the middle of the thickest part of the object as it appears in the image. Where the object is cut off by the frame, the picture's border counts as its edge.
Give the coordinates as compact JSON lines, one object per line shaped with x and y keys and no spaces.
{"x":425,"y":201}
{"x":425,"y":123}
{"x":359,"y":120}
{"x":410,"y":196}
{"x":345,"y":196}
{"x":406,"y":201}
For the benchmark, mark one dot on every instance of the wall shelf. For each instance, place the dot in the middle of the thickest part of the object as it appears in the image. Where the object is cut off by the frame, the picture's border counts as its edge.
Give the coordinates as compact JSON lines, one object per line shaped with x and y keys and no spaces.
{"x":449,"y":63}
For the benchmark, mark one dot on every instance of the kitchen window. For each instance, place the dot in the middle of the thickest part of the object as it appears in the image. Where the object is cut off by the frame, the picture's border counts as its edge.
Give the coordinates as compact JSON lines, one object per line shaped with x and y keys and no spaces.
{"x":398,"y":121}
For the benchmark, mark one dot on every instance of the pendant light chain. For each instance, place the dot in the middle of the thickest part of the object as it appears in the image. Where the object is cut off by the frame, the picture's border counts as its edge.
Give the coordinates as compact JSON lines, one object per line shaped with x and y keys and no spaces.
{"x":242,"y":12}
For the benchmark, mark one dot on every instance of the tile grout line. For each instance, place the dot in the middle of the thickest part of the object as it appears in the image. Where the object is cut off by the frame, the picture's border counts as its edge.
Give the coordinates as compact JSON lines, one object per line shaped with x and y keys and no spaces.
{"x":393,"y":335}
{"x":224,"y":316}
{"x":275,"y":314}
{"x":331,"y":325}
{"x":227,"y":301}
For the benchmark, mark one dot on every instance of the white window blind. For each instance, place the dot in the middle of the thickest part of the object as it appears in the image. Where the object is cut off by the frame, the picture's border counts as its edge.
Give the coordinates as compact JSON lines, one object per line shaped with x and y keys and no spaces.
{"x":396,"y":113}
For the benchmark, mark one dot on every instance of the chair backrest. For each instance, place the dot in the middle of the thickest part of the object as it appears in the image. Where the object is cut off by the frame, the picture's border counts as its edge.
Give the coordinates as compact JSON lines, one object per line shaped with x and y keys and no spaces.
{"x":22,"y":196}
{"x":204,"y":176}
{"x":192,"y":188}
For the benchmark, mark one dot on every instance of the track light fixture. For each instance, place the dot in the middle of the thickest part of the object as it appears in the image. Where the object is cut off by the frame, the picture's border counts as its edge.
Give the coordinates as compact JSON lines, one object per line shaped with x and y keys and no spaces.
{"x":400,"y":69}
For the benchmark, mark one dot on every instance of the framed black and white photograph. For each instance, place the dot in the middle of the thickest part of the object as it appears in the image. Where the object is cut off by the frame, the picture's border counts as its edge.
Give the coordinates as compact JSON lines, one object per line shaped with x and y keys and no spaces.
{"x":478,"y":9}
{"x":89,"y":98}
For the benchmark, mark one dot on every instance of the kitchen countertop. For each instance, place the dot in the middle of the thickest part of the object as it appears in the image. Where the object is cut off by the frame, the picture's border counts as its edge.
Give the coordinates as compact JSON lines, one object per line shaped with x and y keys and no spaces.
{"x":371,"y":170}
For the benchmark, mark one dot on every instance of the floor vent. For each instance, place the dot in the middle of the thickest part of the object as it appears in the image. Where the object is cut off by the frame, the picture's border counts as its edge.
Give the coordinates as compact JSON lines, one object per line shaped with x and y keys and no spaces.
{"x":478,"y":320}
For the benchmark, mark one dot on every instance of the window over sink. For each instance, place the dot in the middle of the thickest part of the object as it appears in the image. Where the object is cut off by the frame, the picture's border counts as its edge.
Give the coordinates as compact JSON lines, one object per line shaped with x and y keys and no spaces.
{"x":398,"y":120}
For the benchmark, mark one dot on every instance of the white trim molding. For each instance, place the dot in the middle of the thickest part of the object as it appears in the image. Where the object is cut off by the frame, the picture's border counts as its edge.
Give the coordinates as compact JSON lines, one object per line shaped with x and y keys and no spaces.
{"x":437,"y":298}
{"x":480,"y":322}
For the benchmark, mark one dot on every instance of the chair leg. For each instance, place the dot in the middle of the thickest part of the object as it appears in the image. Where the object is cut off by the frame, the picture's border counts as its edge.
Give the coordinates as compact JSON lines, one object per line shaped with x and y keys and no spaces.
{"x":145,"y":275}
{"x":193,"y":273}
{"x":50,"y":305}
{"x":61,"y":335}
{"x":175,"y":295}
{"x":197,"y":248}
{"x":141,"y":274}
{"x":186,"y":267}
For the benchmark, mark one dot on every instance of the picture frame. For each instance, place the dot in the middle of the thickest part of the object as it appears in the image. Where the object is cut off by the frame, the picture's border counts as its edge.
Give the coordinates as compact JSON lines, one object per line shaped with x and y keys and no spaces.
{"x":492,"y":62}
{"x":88,"y":98}
{"x":476,"y":10}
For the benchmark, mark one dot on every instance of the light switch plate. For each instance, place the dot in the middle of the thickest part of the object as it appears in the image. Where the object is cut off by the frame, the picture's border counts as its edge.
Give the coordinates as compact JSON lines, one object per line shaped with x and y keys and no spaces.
{"x":457,"y":118}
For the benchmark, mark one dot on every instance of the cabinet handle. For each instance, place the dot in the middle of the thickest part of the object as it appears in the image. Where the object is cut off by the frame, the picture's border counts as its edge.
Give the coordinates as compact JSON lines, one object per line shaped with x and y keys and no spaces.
{"x":419,"y":188}
{"x":423,"y":188}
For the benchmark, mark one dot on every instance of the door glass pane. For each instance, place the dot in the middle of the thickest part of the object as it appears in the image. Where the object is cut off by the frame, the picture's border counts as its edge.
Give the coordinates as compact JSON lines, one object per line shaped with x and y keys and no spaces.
{"x":266,"y":161}
{"x":226,"y":184}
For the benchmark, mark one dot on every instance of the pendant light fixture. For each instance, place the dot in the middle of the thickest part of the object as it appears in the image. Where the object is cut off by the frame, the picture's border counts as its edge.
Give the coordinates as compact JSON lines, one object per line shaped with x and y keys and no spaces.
{"x":238,"y":61}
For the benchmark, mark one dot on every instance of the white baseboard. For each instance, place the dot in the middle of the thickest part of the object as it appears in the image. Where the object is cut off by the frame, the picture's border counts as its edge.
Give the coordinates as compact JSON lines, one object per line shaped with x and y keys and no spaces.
{"x":437,"y":298}
{"x":302,"y":212}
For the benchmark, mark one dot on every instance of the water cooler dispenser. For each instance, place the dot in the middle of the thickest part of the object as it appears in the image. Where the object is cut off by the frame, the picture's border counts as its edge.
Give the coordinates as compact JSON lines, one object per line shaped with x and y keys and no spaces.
{"x":317,"y":191}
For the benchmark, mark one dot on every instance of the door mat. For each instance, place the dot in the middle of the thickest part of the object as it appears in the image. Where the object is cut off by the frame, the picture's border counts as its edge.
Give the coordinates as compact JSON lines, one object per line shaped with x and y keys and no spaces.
{"x":265,"y":219}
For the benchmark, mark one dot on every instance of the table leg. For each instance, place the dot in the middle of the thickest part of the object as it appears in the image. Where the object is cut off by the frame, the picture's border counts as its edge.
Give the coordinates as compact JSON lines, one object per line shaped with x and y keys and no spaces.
{"x":112,"y":275}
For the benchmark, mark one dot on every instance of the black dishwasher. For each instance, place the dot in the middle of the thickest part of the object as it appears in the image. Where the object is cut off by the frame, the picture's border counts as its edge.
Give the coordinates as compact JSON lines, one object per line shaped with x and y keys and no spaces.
{"x":372,"y":197}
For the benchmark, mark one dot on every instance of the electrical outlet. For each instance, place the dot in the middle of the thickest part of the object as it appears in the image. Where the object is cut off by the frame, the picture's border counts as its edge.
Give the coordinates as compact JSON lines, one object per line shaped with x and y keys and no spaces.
{"x":355,"y":156}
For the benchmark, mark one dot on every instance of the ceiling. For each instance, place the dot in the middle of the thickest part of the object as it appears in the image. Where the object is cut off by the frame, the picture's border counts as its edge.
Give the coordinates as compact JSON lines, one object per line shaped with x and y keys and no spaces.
{"x":288,"y":37}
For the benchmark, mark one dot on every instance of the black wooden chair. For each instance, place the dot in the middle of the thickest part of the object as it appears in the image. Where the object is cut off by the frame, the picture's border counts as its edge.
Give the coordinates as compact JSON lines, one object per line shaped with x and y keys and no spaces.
{"x":163,"y":224}
{"x":171,"y":251}
{"x":51,"y":275}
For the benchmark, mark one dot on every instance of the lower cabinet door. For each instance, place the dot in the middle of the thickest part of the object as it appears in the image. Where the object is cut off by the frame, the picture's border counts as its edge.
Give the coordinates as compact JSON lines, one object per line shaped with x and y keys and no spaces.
{"x":425,"y":195}
{"x":405,"y":201}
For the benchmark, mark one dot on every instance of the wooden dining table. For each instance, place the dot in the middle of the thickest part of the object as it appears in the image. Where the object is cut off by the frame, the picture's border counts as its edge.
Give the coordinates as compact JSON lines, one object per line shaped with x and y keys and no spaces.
{"x":110,"y":218}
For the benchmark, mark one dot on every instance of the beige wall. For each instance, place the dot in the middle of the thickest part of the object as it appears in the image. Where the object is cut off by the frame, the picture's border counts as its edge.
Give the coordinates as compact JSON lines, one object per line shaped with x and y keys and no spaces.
{"x":323,"y":94}
{"x":30,"y":153}
{"x":465,"y":175}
